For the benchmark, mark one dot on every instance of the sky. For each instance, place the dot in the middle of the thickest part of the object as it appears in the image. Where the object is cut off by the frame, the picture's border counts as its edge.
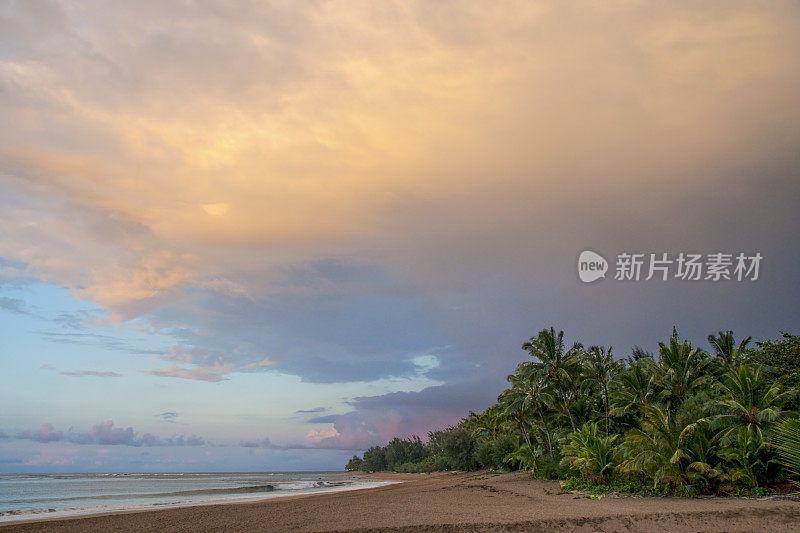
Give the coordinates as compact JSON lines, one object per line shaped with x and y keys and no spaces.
{"x":265,"y":236}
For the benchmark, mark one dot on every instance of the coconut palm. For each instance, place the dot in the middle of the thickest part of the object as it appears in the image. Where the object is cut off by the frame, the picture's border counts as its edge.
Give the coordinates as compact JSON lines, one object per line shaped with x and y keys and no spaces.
{"x":515,"y":405}
{"x":681,"y":371}
{"x":602,"y":370}
{"x":540,"y":396}
{"x":725,"y":348}
{"x":591,"y":453}
{"x":750,"y":400}
{"x":559,"y":366}
{"x":690,"y":419}
{"x":744,"y":453}
{"x":634,"y":388}
{"x":489,"y":424}
{"x":786,"y":435}
{"x":662,"y":449}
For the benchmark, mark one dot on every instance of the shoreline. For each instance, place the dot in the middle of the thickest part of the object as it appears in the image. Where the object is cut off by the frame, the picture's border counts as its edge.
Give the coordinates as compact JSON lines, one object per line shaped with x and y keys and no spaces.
{"x":76,"y":514}
{"x":475,"y":501}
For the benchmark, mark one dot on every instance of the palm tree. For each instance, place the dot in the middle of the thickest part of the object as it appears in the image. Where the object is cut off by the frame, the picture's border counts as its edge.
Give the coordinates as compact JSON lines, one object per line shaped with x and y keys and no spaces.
{"x":602,"y":368}
{"x":488,"y":424}
{"x":787,"y":442}
{"x":524,"y":457}
{"x":663,"y":449}
{"x":751,"y":400}
{"x":725,"y":348}
{"x":591,"y":453}
{"x":559,"y":366}
{"x":515,"y":405}
{"x":744,"y":453}
{"x":539,"y":397}
{"x":682,"y":370}
{"x":634,"y":388}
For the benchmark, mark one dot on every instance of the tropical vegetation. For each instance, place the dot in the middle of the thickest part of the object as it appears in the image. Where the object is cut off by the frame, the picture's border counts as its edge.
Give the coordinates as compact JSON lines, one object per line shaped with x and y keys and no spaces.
{"x":682,"y":421}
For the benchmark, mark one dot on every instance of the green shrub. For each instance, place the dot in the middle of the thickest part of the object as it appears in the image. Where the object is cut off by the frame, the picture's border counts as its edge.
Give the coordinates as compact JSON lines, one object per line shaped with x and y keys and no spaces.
{"x":591,"y":453}
{"x":374,"y":459}
{"x":523,"y":458}
{"x":549,"y":468}
{"x":354,"y":464}
{"x":492,"y":453}
{"x":433,"y":463}
{"x":456,"y":446}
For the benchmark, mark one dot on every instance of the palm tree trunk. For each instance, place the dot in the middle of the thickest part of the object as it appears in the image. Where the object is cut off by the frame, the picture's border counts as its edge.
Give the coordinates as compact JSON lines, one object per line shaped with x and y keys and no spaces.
{"x":605,"y":394}
{"x":525,"y":433}
{"x":546,"y":432}
{"x":566,"y":408}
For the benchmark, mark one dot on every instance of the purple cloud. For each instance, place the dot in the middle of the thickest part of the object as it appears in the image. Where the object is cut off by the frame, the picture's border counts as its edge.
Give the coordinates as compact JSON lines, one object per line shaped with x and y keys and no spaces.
{"x":107,"y":434}
{"x":327,"y":419}
{"x":378,"y":419}
{"x":46,"y":433}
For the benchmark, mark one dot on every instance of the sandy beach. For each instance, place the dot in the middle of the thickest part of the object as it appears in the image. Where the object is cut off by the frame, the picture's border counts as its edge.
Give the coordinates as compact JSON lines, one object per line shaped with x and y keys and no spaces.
{"x":452,"y":502}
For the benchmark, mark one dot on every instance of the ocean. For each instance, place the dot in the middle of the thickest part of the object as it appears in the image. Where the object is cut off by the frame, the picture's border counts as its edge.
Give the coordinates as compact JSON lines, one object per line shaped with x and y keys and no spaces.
{"x":35,"y":496}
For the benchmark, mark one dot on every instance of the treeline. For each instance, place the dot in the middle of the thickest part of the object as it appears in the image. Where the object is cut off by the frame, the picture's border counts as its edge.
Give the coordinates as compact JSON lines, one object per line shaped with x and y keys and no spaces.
{"x":685,"y":420}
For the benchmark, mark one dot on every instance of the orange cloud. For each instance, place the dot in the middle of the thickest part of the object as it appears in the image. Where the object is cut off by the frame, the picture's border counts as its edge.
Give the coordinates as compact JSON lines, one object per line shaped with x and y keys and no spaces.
{"x":307,"y":131}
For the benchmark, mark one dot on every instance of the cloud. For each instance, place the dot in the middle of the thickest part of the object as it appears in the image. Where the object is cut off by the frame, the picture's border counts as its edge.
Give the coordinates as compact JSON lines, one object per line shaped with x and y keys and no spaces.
{"x":326,"y":419}
{"x":168,"y":416}
{"x":263,"y":443}
{"x":376,"y":420}
{"x":14,"y":305}
{"x":106,"y":433}
{"x":180,"y":440}
{"x":216,"y":210}
{"x":333,"y":190}
{"x":107,"y":342}
{"x":319,"y":435}
{"x":46,"y":433}
{"x":267,"y":443}
{"x":200,"y":373}
{"x":208,"y":365}
{"x":53,"y":456}
{"x":311,"y":411}
{"x":95,"y":373}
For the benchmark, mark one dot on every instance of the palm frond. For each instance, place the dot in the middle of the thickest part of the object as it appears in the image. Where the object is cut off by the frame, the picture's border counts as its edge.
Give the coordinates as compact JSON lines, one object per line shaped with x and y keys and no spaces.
{"x":786,"y":435}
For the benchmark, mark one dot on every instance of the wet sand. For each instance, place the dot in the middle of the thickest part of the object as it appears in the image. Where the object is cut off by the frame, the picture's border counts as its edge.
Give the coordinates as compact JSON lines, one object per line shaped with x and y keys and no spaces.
{"x":452,"y":502}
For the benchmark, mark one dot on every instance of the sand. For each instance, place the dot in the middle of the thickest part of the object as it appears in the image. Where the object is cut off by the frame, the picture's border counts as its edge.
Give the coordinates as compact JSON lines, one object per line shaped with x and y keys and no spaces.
{"x":453,"y":502}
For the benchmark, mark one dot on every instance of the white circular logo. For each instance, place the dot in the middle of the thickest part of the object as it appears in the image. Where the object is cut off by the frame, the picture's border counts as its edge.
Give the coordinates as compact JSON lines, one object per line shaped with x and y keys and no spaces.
{"x":591,"y":266}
